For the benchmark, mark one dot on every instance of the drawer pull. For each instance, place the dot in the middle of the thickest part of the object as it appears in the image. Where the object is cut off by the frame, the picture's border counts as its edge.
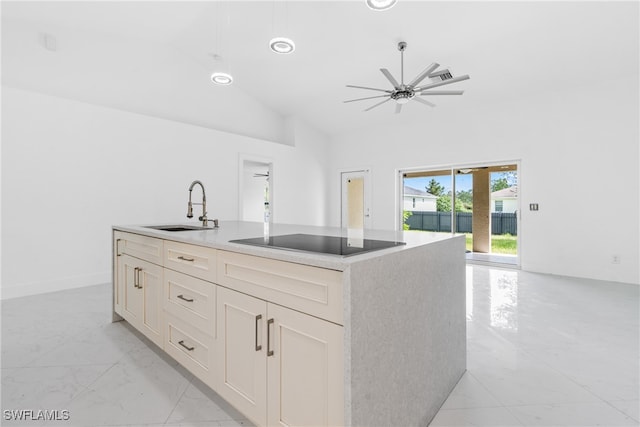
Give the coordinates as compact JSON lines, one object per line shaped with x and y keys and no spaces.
{"x":269,"y":351}
{"x":185,"y":299}
{"x":186,"y":346}
{"x":258,"y":347}
{"x":186,"y":259}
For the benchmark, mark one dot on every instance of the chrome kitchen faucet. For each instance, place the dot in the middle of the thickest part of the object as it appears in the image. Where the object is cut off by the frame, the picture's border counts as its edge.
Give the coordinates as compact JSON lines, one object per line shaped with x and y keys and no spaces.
{"x":202,"y":218}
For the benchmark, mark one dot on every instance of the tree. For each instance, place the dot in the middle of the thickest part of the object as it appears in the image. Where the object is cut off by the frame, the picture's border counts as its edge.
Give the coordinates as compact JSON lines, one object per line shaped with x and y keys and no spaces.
{"x":505,"y":180}
{"x":466,"y":198}
{"x":405,"y":217}
{"x":435,"y":188}
{"x":499,"y":184}
{"x":443,"y":204}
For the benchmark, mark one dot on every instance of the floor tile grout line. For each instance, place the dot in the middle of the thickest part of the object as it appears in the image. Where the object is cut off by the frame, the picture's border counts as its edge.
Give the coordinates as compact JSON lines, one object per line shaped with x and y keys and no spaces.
{"x":487,"y":390}
{"x":566,"y":376}
{"x":622,"y":412}
{"x":177,"y":400}
{"x":87,"y":387}
{"x":541,"y":361}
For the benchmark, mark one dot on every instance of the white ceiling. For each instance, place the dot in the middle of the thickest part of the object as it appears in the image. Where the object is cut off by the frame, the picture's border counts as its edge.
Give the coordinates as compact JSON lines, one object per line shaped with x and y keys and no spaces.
{"x":158,"y":50}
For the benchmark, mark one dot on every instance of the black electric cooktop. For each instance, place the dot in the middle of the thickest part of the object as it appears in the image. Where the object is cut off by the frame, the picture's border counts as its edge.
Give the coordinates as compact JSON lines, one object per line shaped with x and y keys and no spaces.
{"x":333,"y":245}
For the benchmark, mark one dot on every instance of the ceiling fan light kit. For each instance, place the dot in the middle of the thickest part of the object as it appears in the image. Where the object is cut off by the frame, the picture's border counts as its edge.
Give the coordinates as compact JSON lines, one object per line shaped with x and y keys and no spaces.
{"x":403,"y":93}
{"x":381,"y":4}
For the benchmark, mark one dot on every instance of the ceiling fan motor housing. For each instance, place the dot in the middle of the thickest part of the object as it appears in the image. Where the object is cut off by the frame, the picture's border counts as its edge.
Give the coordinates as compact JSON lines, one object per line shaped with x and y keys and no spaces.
{"x":402,"y":96}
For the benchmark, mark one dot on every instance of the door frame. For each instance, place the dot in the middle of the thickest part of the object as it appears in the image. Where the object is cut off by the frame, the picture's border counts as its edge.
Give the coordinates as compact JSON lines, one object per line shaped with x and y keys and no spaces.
{"x":453,"y":166}
{"x":366,"y":173}
{"x":242,"y":158}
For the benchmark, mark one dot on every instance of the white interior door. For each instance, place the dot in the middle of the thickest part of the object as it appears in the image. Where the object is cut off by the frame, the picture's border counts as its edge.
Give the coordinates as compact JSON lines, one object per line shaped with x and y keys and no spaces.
{"x":356,"y":200}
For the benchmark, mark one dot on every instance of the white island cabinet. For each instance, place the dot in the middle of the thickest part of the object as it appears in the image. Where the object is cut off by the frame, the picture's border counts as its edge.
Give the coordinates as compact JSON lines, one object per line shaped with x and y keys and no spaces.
{"x":301,"y":339}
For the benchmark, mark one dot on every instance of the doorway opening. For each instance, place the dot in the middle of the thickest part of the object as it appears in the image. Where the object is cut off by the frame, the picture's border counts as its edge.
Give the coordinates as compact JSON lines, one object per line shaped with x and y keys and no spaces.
{"x":479,"y":201}
{"x":256,"y":189}
{"x":356,"y":200}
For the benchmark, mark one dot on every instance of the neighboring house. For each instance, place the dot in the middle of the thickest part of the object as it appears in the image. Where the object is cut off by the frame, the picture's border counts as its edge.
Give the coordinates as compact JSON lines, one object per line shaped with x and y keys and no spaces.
{"x":505,"y":200}
{"x":419,"y":201}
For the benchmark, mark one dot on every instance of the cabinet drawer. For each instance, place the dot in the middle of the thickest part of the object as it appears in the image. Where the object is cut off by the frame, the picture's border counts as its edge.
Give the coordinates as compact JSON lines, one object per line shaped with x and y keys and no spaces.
{"x":193,"y":260}
{"x":142,"y":247}
{"x":190,"y":299}
{"x":191,"y":348}
{"x":312,"y":290}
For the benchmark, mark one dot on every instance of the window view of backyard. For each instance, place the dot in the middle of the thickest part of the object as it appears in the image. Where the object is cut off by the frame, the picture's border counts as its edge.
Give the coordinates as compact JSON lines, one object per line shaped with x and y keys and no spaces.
{"x":428,"y":198}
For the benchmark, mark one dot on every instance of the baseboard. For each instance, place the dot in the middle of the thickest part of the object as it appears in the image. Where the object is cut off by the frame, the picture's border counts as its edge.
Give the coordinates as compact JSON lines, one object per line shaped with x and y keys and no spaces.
{"x":36,"y":288}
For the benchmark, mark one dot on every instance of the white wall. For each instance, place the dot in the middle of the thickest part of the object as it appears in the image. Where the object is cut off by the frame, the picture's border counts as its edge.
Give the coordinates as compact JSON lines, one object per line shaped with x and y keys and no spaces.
{"x":572,"y":145}
{"x":71,"y":170}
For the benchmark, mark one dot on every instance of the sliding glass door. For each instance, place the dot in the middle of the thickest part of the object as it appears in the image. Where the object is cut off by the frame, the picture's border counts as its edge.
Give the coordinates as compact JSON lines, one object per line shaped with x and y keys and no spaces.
{"x":478,"y":201}
{"x":426,"y":201}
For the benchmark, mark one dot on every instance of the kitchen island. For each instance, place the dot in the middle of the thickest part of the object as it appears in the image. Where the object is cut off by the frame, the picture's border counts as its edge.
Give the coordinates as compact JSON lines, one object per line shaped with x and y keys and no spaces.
{"x":299,"y":338}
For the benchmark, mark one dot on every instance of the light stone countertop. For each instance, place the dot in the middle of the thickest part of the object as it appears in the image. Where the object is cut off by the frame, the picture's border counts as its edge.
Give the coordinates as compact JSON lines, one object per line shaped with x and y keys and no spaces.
{"x":232,"y":230}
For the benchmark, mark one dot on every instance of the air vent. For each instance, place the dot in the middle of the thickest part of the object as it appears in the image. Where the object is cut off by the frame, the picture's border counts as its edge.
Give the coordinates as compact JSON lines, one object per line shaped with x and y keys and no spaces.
{"x":446,"y":76}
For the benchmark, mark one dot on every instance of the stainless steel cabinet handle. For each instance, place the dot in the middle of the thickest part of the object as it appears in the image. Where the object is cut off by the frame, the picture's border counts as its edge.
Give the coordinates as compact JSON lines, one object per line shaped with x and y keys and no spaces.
{"x":269,"y":351}
{"x":258,"y":347}
{"x":185,"y":299}
{"x":186,"y":259}
{"x":139,"y":282}
{"x":186,"y":346}
{"x":136,"y":278}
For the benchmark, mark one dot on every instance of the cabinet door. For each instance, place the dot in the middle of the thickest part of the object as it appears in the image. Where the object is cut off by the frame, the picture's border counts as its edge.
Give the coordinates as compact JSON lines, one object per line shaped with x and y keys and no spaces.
{"x":150,"y":286}
{"x":242,"y":363}
{"x":305,"y":372}
{"x":129,"y":294}
{"x":140,"y":293}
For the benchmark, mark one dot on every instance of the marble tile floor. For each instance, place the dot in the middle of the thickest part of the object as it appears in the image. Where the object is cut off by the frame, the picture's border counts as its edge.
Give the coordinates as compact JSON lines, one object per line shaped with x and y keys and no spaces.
{"x":542,"y":351}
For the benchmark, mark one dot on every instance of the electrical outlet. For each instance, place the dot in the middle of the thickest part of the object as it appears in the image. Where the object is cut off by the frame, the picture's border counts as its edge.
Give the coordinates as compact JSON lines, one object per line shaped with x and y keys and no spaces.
{"x":615,"y":259}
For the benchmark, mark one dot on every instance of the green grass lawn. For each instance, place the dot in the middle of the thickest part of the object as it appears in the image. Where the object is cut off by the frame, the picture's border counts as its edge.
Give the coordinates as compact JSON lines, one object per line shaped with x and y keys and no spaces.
{"x":500,"y":244}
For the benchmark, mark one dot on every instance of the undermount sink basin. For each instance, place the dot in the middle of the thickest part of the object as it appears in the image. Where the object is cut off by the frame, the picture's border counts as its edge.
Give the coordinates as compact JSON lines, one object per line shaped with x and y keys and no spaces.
{"x":178,"y":227}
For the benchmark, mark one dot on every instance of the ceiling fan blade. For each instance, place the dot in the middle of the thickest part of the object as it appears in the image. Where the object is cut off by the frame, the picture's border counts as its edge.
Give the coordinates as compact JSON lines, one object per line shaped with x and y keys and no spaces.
{"x":369,"y":97}
{"x":442,"y":83}
{"x":389,"y":77}
{"x":398,"y":108}
{"x":422,"y":101}
{"x":443,"y":92}
{"x":427,"y":71}
{"x":370,"y":88}
{"x":379,"y":103}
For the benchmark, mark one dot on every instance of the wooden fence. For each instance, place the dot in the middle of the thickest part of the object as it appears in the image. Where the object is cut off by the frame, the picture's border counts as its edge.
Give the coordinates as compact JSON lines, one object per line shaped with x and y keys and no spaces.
{"x":501,"y":223}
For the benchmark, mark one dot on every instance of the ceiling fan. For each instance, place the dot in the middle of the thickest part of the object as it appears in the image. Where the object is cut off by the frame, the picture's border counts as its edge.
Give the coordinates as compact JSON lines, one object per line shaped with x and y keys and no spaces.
{"x":403,"y":93}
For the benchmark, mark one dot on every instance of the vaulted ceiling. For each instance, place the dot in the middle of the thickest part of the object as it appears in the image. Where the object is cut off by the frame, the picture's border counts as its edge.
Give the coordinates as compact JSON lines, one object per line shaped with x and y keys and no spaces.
{"x":155,"y":57}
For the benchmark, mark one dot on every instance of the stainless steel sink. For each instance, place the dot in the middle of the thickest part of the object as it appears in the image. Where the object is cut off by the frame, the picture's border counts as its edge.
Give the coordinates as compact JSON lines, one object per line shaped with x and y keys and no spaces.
{"x":178,"y":227}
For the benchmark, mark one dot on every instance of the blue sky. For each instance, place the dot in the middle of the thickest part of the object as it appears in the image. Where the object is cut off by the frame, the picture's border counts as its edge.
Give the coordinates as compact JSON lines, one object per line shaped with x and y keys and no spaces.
{"x":463,"y":182}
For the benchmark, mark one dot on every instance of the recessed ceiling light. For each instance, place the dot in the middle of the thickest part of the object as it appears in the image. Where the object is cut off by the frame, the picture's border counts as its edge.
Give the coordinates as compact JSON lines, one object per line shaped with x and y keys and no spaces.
{"x":381,"y":4}
{"x":221,"y":78}
{"x":282,"y":45}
